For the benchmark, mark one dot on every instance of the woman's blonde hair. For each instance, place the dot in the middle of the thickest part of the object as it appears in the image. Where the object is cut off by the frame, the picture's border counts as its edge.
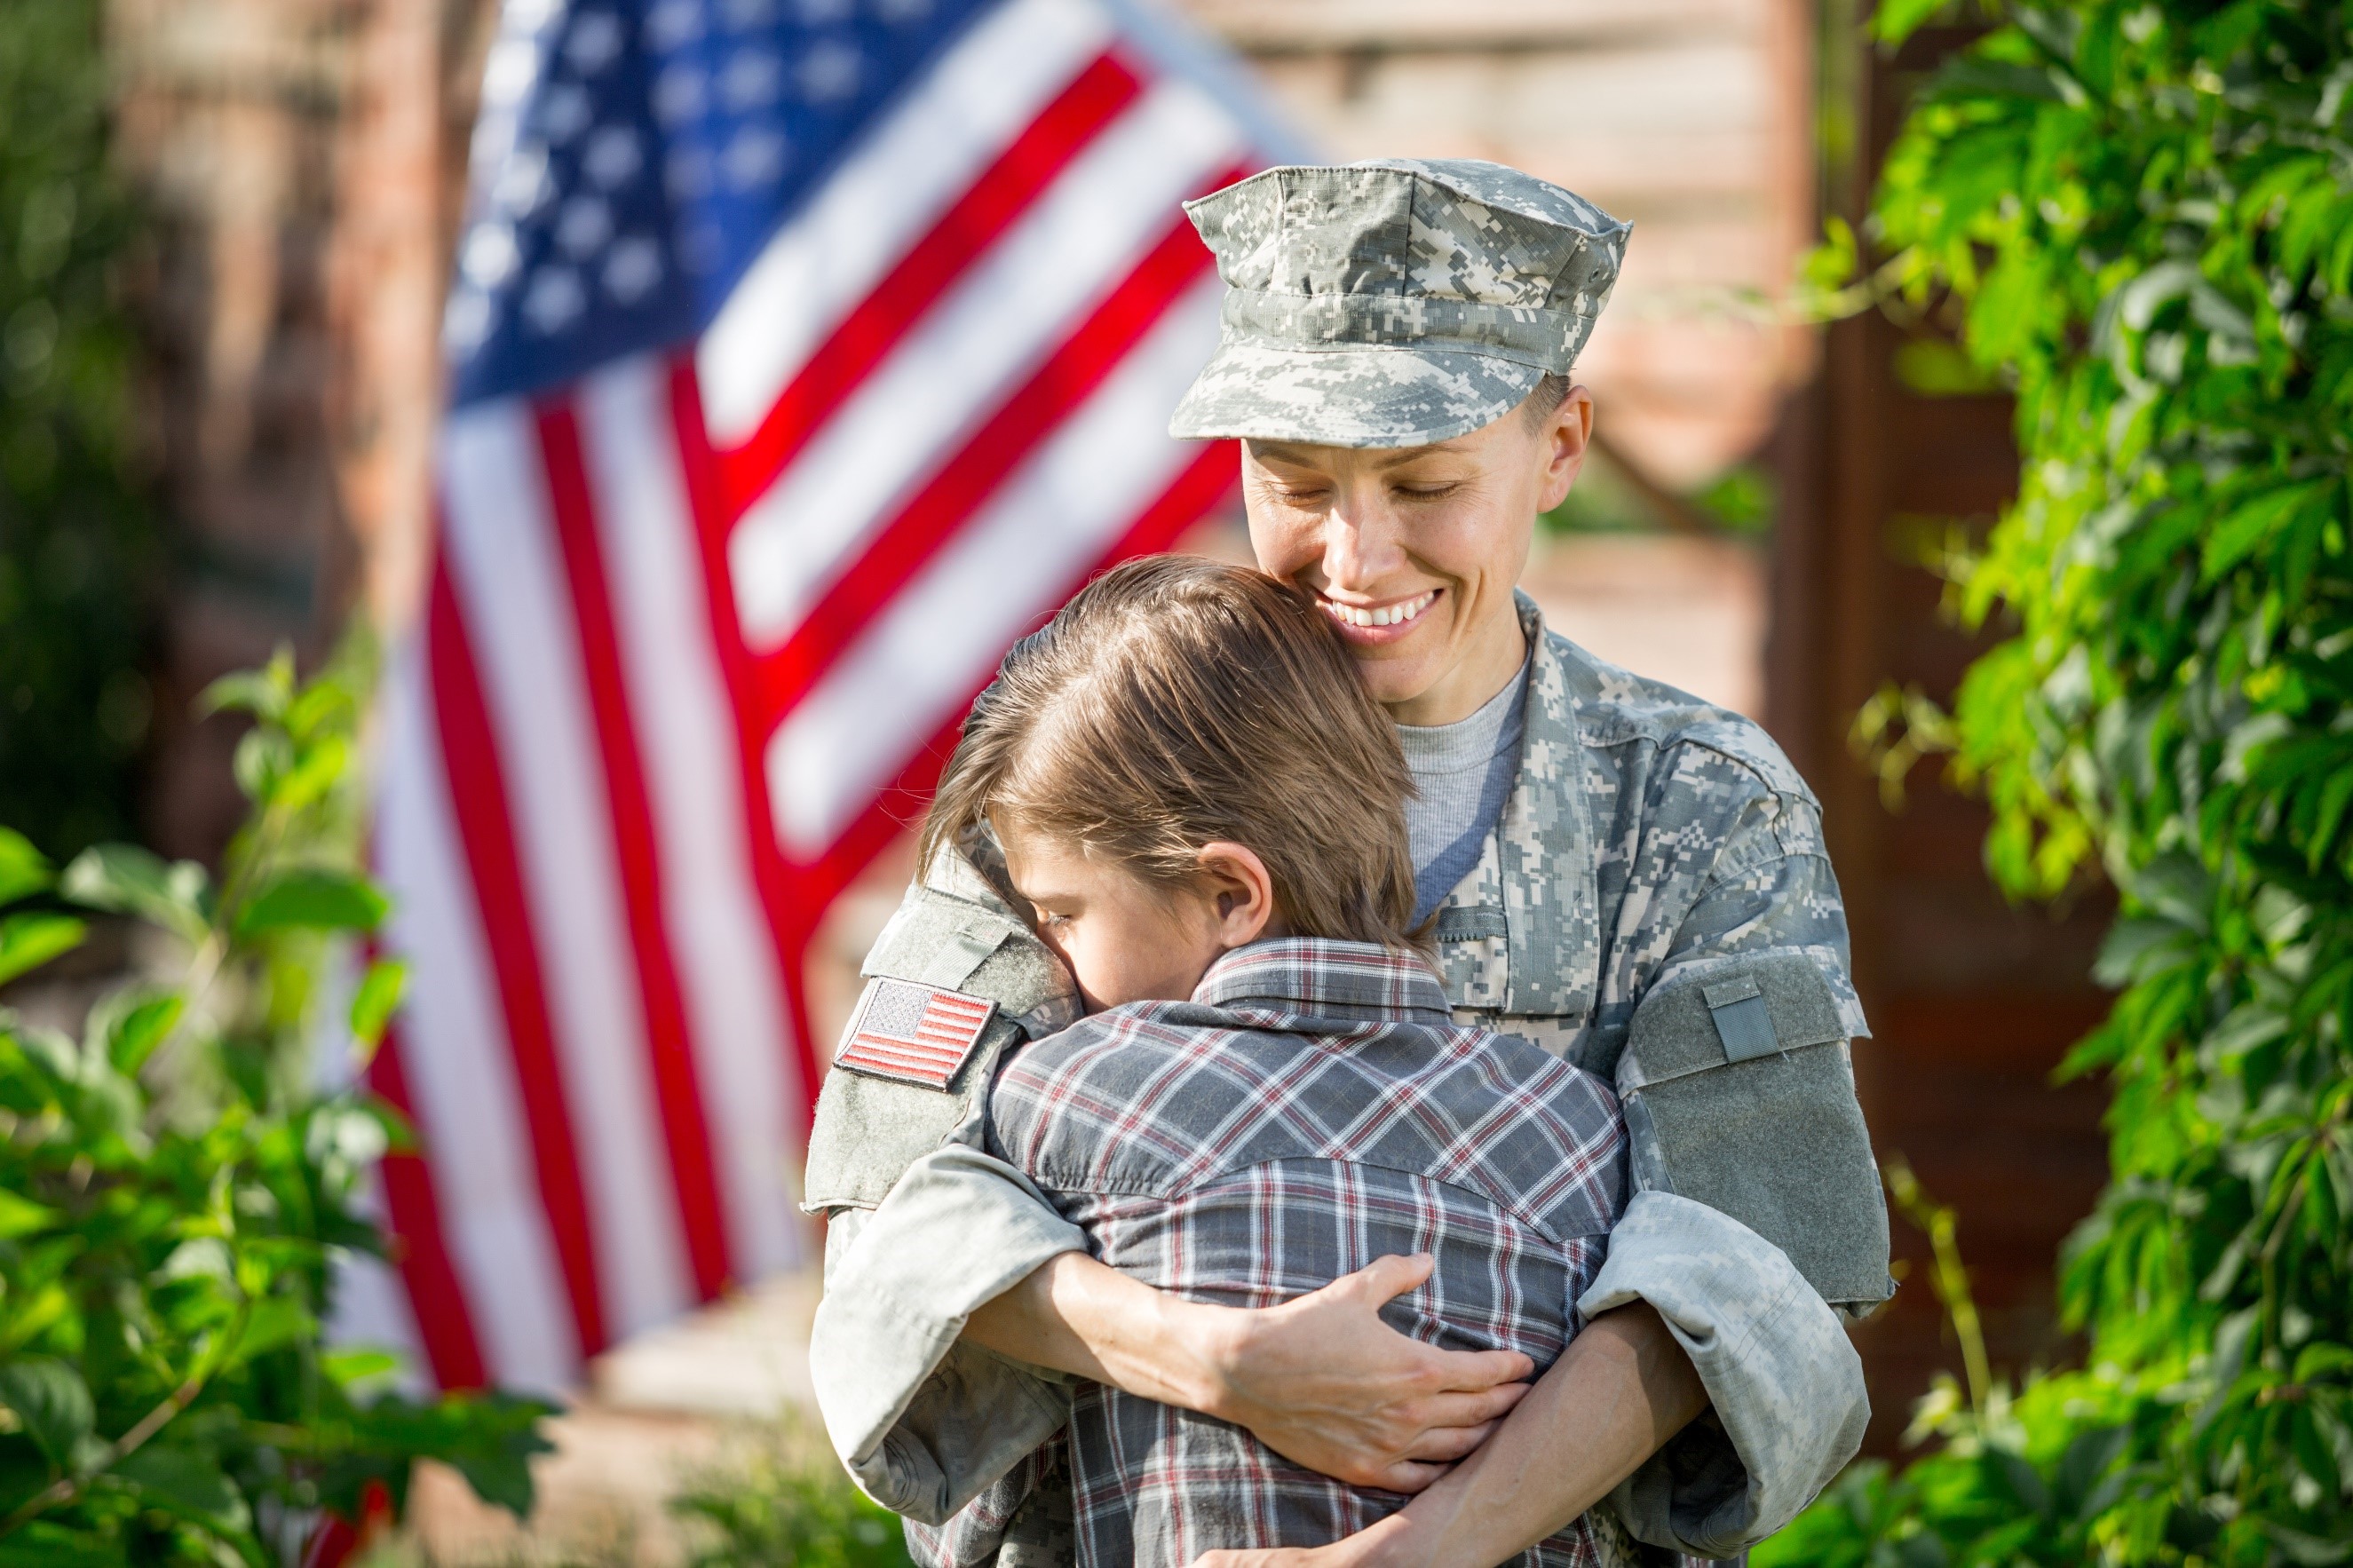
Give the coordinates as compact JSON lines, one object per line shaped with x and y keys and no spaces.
{"x":1178,"y":702}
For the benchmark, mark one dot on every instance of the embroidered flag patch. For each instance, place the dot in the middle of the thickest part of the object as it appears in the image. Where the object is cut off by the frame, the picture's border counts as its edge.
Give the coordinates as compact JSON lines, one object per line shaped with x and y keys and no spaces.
{"x":916,"y":1034}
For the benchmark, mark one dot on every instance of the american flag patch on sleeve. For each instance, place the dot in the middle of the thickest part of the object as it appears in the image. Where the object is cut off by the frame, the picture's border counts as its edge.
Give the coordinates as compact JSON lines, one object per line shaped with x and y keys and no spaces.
{"x":916,"y":1034}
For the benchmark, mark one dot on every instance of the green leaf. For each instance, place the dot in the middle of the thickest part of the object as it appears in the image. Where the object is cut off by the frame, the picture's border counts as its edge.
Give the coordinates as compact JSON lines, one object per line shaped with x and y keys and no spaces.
{"x":265,"y":693}
{"x":183,"y":1483}
{"x":275,"y":1321}
{"x":51,"y":1402}
{"x":357,"y":1366}
{"x":133,"y":1036}
{"x":1970,"y":76}
{"x":1897,"y":20}
{"x":331,"y":900}
{"x":20,"y":1216}
{"x":377,"y":1000}
{"x":28,"y":942}
{"x":2246,"y":528}
{"x":261,"y":761}
{"x":126,"y":879}
{"x":23,"y":868}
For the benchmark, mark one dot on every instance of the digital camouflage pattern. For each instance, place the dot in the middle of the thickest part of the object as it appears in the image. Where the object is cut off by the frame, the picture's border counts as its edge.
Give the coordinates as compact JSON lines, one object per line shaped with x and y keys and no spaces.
{"x":1648,"y":832}
{"x":1392,"y":303}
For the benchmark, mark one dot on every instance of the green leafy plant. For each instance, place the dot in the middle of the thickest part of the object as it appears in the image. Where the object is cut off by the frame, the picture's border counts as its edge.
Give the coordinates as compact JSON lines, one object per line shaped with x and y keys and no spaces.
{"x":2138,"y":215}
{"x":174,"y":1191}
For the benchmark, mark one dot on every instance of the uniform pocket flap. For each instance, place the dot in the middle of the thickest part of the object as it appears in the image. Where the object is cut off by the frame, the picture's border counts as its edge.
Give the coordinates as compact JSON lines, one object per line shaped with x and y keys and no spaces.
{"x":1772,"y":1002}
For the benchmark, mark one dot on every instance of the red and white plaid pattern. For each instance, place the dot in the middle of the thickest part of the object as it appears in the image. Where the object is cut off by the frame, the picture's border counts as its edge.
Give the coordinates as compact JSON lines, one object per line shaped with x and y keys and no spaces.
{"x":1314,"y":1107}
{"x":916,"y":1033}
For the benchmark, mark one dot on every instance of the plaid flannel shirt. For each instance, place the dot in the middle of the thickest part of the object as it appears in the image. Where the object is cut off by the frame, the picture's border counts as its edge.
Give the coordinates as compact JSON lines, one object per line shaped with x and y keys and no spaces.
{"x":1313,"y":1107}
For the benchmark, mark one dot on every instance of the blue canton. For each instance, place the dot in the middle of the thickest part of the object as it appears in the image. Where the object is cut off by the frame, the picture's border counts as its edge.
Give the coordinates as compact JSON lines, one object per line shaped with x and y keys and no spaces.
{"x":633,"y":156}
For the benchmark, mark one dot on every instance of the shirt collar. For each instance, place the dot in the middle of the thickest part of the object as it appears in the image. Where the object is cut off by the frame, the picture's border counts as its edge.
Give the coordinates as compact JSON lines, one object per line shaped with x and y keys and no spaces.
{"x":1360,"y":982}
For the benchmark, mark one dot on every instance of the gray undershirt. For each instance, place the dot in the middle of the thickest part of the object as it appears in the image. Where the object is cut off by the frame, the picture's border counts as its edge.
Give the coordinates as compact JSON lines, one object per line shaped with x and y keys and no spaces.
{"x":1464,"y":772}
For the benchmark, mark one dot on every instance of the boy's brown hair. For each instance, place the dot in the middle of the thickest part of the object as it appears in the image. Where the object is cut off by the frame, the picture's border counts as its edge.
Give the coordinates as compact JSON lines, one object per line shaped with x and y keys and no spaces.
{"x":1177,"y":701}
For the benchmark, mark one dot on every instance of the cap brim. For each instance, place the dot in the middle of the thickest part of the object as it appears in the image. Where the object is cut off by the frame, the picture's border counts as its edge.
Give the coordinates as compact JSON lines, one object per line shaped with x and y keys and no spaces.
{"x":1357,"y":395}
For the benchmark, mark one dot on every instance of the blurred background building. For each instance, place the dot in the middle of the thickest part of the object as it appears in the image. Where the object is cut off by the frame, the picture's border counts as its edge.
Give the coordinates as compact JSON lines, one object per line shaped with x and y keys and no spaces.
{"x":1755,"y":528}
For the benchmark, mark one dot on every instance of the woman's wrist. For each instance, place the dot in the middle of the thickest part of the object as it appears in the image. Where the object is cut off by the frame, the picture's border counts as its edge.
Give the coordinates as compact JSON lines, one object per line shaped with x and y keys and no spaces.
{"x":1195,"y":1351}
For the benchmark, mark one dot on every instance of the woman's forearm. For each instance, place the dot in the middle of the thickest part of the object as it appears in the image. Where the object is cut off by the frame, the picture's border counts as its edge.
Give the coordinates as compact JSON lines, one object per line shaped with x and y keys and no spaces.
{"x":1320,"y":1379}
{"x":1620,"y":1390}
{"x":1082,"y":1316}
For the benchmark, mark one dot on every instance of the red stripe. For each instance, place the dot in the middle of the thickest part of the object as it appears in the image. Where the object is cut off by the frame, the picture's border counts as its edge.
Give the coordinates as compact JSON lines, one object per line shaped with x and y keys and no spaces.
{"x":876,"y":1050}
{"x":436,"y":1298}
{"x":939,"y":1065}
{"x":929,"y":1071}
{"x":670,"y":1050}
{"x":790,"y":917}
{"x":478,"y":800}
{"x":914,"y":1047}
{"x":1200,"y":486}
{"x":962,"y":234}
{"x":957,"y":490}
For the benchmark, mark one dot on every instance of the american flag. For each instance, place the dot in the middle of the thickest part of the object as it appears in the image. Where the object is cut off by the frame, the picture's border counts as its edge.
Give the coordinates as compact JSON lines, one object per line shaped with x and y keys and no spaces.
{"x":803,"y":353}
{"x":916,"y":1033}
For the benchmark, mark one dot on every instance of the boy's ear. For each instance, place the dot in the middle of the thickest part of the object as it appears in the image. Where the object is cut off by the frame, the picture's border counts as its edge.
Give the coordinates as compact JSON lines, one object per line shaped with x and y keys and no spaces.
{"x":1240,"y":893}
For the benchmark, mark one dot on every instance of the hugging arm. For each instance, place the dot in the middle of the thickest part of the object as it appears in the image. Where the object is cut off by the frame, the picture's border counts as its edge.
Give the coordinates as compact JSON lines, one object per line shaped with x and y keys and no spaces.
{"x":952,"y":1309}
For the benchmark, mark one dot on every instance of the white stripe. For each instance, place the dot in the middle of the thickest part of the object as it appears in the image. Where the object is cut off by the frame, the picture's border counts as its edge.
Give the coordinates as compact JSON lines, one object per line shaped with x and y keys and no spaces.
{"x":688,"y":747}
{"x":504,"y":562}
{"x":916,"y":164}
{"x":460,"y":1073}
{"x":1083,"y":234}
{"x":937,"y":640}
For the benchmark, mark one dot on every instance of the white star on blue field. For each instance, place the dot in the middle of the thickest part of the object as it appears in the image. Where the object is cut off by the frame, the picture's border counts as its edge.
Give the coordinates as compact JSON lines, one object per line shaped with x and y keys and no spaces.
{"x":632,"y":159}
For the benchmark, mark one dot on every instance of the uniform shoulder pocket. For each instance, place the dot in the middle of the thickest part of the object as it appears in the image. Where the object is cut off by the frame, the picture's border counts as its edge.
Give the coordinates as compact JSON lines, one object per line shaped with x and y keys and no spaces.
{"x":1740,"y":1094}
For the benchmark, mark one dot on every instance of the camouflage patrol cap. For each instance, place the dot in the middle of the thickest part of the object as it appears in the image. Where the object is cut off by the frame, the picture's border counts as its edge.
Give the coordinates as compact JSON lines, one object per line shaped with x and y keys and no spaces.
{"x":1392,"y":303}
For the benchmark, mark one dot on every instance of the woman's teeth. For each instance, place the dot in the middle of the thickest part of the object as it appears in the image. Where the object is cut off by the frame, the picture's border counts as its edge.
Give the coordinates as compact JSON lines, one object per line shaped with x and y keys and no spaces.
{"x":1389,"y":615}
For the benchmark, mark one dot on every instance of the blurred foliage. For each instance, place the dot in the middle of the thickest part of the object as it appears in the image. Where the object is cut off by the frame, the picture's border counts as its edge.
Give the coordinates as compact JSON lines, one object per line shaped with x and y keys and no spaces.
{"x":784,"y":1500}
{"x":2139,"y":216}
{"x":2018,"y":1476}
{"x":174,"y":1191}
{"x":1607,"y":500}
{"x":78,"y":546}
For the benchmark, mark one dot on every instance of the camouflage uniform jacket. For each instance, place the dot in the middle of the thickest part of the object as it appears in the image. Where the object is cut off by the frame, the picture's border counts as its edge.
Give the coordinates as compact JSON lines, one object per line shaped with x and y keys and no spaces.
{"x":1654,"y":905}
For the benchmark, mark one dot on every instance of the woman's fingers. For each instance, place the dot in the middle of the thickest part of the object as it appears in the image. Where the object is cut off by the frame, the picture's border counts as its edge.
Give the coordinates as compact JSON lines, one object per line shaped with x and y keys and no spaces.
{"x":1326,"y":1382}
{"x":1444,"y":1445}
{"x":1462,"y":1371}
{"x":1386,"y":1277}
{"x":1408,"y":1476}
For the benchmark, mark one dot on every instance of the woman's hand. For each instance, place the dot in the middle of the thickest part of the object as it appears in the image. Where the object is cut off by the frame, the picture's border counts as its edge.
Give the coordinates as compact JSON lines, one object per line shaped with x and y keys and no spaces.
{"x":1321,"y":1380}
{"x":1324,"y":1381}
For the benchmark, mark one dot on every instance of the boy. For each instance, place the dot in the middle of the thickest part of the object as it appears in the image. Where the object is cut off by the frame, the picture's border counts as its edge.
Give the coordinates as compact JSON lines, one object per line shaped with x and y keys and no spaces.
{"x":1205,"y":812}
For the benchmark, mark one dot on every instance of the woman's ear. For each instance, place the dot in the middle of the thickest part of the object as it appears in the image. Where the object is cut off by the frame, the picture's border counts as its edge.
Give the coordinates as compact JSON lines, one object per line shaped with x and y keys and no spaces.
{"x":1239,"y":892}
{"x":1562,"y":441}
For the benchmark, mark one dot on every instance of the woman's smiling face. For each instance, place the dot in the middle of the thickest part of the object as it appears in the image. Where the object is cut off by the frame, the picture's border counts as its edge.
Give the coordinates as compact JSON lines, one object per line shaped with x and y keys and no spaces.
{"x":1414,"y":551}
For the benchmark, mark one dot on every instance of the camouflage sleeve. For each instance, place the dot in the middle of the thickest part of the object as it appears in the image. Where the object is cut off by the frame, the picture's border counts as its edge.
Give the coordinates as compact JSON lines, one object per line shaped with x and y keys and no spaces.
{"x":1758,"y":1205}
{"x":1787,"y":1404}
{"x":1770,"y":889}
{"x":923,"y":1227}
{"x":923,"y":1421}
